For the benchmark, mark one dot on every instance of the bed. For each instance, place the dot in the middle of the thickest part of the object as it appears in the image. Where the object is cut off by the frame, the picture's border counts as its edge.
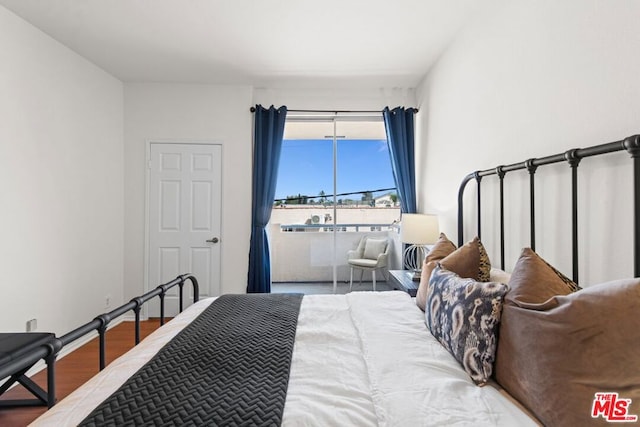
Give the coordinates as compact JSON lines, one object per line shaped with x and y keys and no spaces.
{"x":384,"y":358}
{"x":348,"y":377}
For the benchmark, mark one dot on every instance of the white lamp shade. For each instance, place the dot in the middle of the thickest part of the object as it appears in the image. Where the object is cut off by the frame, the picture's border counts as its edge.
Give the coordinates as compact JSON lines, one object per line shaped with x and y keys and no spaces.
{"x":419,"y":229}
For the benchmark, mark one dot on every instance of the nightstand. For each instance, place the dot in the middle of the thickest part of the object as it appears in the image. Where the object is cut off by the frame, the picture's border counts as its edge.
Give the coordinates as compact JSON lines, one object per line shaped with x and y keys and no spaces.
{"x":402,"y":280}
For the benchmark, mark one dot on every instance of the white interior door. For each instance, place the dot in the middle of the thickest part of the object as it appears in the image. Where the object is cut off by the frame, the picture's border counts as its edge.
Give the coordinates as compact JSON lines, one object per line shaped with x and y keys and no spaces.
{"x":184,"y":219}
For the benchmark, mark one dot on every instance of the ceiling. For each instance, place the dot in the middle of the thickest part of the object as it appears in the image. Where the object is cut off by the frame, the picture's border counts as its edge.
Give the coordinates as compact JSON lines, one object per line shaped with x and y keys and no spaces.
{"x":269,"y":43}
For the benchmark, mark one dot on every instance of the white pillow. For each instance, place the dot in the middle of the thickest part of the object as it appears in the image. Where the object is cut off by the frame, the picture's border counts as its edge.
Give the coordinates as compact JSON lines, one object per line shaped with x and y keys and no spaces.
{"x":374,"y":247}
{"x":500,"y":276}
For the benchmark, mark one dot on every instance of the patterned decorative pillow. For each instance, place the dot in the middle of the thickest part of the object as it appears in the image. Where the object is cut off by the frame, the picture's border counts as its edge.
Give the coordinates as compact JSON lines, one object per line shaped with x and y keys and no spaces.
{"x":464,"y":315}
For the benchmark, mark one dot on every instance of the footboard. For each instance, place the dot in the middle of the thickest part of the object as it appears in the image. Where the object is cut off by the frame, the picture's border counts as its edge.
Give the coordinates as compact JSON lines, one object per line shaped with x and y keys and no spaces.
{"x":50,"y":349}
{"x":101,"y":322}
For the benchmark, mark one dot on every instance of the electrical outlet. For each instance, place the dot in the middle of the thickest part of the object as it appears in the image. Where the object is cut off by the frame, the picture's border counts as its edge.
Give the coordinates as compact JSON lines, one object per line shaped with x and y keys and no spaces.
{"x":107,"y":301}
{"x":32,"y":325}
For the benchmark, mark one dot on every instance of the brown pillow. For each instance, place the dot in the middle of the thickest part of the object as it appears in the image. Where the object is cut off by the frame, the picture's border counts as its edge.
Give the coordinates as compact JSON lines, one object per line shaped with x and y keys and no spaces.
{"x":439,"y":251}
{"x":554,"y":358}
{"x":534,"y":281}
{"x":468,"y":261}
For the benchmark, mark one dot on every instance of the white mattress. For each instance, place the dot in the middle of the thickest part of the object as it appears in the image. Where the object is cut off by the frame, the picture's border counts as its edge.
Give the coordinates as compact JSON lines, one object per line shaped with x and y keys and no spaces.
{"x":365,"y":358}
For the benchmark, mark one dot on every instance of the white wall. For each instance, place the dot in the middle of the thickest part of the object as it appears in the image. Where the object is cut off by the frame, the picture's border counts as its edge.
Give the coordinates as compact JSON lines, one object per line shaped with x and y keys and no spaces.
{"x":529,"y":79}
{"x":183,"y":112}
{"x":61,"y":185}
{"x":187,"y":113}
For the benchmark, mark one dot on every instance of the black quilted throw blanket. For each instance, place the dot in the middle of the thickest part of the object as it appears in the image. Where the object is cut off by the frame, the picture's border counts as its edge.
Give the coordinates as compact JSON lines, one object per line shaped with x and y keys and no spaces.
{"x":229,"y":367}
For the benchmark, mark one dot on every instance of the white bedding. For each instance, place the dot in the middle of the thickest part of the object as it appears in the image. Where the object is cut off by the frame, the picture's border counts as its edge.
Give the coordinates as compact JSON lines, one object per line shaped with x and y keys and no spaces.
{"x":365,"y":358}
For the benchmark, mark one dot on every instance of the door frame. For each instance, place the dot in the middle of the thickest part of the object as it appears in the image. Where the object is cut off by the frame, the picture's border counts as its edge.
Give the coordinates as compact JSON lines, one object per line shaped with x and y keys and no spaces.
{"x":147,"y":171}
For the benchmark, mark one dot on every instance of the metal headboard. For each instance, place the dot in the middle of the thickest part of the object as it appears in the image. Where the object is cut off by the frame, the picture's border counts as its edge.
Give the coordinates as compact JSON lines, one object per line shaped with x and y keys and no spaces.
{"x":572,"y":157}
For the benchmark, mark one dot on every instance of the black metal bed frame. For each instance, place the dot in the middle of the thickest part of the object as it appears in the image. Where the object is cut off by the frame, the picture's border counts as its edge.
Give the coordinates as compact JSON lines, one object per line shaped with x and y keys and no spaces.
{"x":99,"y":324}
{"x":572,"y":157}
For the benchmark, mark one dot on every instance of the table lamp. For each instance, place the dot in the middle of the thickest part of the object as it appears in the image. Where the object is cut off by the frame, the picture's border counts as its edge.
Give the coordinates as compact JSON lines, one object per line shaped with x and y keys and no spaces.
{"x":417,"y":231}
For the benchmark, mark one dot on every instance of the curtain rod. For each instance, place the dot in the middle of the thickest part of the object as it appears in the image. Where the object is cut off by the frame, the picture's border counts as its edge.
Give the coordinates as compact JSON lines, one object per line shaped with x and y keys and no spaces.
{"x":253,"y":110}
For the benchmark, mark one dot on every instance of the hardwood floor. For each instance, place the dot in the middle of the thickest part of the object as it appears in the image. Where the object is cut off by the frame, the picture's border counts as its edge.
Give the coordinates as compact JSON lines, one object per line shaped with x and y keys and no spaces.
{"x":73,"y":370}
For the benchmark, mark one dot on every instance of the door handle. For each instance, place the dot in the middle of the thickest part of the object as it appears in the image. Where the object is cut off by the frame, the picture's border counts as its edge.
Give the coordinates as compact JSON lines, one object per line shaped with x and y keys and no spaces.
{"x":213,"y":240}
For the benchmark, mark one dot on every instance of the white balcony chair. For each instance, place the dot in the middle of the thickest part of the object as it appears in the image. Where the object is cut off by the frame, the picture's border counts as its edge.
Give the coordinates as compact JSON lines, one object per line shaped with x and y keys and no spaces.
{"x":371,"y":254}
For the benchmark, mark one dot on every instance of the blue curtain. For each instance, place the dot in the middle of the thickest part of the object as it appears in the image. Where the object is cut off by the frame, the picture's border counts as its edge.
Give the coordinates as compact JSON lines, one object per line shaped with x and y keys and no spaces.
{"x":267,"y":144}
{"x":400,"y":135}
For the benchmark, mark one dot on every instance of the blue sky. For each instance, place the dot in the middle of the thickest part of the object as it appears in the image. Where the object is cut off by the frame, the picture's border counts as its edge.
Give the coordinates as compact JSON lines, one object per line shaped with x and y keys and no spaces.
{"x":306,"y":167}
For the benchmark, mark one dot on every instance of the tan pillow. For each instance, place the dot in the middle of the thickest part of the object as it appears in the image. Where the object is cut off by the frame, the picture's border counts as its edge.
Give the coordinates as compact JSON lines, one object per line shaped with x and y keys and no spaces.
{"x":498,"y":275}
{"x":554,"y":358}
{"x":439,"y":251}
{"x":534,"y":281}
{"x":468,"y":261}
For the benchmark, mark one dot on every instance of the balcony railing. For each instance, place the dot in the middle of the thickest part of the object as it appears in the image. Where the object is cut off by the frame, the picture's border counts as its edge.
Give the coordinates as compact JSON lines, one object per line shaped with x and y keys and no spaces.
{"x":288,"y":228}
{"x":305,"y":252}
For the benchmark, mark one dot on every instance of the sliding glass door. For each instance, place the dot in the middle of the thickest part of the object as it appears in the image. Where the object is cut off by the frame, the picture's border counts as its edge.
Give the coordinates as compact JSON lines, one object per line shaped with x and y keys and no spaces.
{"x":334,"y":185}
